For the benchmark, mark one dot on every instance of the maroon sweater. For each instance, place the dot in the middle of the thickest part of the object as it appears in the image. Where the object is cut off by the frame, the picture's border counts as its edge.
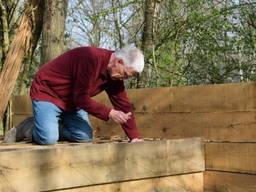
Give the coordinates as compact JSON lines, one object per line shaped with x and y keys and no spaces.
{"x":70,"y":80}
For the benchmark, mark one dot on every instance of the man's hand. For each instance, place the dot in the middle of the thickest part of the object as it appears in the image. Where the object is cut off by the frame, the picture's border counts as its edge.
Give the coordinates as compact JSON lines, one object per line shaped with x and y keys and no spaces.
{"x":119,"y":116}
{"x":136,"y":140}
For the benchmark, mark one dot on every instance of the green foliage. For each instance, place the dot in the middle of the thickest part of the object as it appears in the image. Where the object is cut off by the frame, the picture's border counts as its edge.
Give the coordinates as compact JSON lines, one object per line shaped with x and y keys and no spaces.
{"x":195,"y":41}
{"x":201,"y":42}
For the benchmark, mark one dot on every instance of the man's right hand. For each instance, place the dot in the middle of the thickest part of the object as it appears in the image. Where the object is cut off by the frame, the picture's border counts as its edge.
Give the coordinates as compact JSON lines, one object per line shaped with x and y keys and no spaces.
{"x":119,"y":116}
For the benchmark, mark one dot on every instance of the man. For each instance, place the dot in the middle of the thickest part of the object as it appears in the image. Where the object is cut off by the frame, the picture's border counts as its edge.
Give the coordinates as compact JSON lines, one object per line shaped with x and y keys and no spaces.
{"x":62,"y":90}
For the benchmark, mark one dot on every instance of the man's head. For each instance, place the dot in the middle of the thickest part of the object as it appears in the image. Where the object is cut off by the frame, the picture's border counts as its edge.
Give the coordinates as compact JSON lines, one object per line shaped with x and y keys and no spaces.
{"x":125,"y":63}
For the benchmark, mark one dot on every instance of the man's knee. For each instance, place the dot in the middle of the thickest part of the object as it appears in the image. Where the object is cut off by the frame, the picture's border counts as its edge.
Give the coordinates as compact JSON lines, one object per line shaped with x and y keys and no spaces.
{"x":86,"y":136}
{"x":81,"y":136}
{"x":45,"y":140}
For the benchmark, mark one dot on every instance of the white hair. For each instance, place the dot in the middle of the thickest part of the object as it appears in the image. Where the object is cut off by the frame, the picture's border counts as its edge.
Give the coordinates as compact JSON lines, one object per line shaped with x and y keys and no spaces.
{"x":132,"y":57}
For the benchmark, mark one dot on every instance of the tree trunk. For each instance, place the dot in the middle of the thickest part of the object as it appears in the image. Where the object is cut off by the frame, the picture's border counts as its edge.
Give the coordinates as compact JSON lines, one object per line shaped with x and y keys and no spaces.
{"x":4,"y":30}
{"x":28,"y":64}
{"x":17,"y":50}
{"x":53,"y":29}
{"x":147,"y":40}
{"x":117,"y":31}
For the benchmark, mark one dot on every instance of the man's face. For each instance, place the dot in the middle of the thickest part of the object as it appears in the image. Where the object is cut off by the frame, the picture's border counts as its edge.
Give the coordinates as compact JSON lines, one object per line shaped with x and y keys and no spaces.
{"x":118,"y":71}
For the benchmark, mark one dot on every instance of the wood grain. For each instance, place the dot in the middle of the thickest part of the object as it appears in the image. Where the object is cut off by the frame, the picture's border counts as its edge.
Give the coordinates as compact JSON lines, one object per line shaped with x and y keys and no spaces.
{"x":216,"y":181}
{"x":179,"y":183}
{"x":75,"y":165}
{"x":233,"y":157}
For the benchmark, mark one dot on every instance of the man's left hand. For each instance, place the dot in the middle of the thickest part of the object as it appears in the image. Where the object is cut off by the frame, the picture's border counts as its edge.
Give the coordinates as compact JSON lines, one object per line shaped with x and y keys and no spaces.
{"x":136,"y":140}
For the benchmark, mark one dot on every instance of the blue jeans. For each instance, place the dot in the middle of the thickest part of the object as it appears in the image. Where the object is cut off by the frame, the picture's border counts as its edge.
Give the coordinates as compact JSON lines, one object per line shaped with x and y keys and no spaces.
{"x":47,"y":118}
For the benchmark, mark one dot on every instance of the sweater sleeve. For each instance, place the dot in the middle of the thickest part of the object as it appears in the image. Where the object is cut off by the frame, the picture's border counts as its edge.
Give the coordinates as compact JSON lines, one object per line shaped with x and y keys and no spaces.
{"x":83,"y":77}
{"x":119,"y":99}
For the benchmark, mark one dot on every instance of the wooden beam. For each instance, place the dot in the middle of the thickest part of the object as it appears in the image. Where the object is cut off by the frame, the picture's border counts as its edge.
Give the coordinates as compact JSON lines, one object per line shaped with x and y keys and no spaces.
{"x":21,"y":105}
{"x":17,"y":119}
{"x":178,"y":183}
{"x":233,"y":126}
{"x":216,"y":181}
{"x":76,"y":165}
{"x":233,"y":157}
{"x":203,"y":98}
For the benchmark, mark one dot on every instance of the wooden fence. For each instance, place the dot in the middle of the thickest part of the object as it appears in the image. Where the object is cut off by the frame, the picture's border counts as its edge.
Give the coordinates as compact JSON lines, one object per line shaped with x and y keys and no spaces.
{"x":224,"y":116}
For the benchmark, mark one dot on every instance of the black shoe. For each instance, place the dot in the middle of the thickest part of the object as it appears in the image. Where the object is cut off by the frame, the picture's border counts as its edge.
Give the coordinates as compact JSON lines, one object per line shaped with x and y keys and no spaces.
{"x":10,"y":136}
{"x":22,"y":132}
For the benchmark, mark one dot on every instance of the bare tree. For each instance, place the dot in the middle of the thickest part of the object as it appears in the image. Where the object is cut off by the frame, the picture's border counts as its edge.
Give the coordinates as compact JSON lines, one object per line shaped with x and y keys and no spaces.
{"x":102,"y":23}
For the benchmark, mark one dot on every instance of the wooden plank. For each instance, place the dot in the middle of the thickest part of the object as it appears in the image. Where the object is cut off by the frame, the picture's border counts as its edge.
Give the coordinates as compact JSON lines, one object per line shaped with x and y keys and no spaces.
{"x":179,"y":183}
{"x":16,"y":119}
{"x":76,"y":165}
{"x":233,"y":126}
{"x":234,"y":157}
{"x":21,"y":104}
{"x":203,"y":98}
{"x":215,"y":181}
